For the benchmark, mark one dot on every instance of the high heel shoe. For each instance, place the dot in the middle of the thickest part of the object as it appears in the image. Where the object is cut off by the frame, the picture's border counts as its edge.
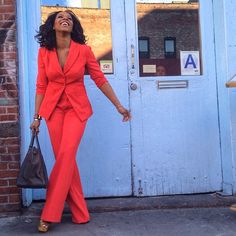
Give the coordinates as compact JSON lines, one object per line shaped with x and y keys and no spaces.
{"x":233,"y":207}
{"x":43,"y":226}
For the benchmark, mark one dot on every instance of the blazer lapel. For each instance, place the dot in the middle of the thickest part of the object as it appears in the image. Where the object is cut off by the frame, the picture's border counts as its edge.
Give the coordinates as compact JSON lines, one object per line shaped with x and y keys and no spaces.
{"x":72,"y":56}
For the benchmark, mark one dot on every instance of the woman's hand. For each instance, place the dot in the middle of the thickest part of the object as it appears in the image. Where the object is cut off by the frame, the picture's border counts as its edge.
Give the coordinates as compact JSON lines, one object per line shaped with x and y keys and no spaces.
{"x":35,"y":125}
{"x":108,"y":91}
{"x":124,"y":112}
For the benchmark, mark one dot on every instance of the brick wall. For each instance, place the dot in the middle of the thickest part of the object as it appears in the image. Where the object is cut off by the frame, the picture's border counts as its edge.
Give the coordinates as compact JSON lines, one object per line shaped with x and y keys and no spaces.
{"x":9,"y":125}
{"x":157,"y":21}
{"x":97,"y":28}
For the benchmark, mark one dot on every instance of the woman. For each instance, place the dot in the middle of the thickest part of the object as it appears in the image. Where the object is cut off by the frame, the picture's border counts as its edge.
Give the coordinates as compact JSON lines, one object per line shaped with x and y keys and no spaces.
{"x":62,"y":100}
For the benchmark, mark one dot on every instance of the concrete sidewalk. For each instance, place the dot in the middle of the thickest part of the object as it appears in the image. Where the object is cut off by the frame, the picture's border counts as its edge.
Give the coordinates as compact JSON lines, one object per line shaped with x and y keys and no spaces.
{"x":188,"y":215}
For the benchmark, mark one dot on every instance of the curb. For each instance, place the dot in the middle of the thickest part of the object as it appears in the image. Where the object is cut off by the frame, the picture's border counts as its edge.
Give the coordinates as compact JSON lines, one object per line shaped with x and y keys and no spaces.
{"x":144,"y":203}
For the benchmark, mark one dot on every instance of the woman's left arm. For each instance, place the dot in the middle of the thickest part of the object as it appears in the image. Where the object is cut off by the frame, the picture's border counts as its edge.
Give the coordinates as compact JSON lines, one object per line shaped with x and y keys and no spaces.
{"x":102,"y":83}
{"x":110,"y":94}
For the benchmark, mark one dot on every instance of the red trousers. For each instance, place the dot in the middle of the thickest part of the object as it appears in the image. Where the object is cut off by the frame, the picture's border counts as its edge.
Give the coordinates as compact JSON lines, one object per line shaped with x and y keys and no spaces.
{"x":66,"y":131}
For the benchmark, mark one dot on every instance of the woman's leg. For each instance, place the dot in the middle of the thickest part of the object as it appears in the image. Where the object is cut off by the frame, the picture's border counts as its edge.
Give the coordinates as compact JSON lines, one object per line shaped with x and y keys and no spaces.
{"x":55,"y":134}
{"x":64,"y":174}
{"x":76,"y":201}
{"x":75,"y":197}
{"x":55,"y":127}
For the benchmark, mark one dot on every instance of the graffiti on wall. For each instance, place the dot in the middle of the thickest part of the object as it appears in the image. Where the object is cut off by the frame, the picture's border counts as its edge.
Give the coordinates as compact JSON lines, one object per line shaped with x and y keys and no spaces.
{"x":8,"y":81}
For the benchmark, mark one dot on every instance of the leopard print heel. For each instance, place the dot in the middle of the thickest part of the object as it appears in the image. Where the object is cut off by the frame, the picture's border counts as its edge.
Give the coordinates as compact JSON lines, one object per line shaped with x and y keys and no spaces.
{"x":43,"y":226}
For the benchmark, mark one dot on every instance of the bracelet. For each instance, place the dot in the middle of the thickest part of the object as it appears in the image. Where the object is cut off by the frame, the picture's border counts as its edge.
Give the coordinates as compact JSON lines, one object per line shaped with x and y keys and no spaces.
{"x":117,"y":107}
{"x":37,"y":117}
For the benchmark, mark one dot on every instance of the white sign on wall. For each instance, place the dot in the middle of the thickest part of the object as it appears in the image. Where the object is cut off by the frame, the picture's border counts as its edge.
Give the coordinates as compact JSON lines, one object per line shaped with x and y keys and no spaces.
{"x":190,"y":63}
{"x":106,"y":66}
{"x":149,"y":68}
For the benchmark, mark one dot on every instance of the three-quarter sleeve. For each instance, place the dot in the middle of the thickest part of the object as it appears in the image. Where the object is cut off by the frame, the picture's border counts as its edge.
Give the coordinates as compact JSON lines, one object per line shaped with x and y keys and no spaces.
{"x":94,"y":69}
{"x":42,"y":81}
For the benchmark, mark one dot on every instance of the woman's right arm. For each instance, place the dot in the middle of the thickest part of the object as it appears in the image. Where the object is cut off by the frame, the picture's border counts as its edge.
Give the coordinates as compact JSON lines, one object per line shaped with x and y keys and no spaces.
{"x":36,"y":123}
{"x":41,"y":86}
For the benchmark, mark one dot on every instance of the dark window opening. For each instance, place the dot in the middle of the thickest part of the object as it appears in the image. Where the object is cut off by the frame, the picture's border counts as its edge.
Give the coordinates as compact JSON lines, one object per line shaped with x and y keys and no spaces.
{"x":143,"y":45}
{"x":170,"y":47}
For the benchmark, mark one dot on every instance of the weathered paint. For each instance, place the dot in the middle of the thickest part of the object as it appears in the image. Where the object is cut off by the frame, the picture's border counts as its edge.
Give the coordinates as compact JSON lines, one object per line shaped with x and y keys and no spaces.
{"x":104,"y":157}
{"x":175,"y":132}
{"x":167,"y":155}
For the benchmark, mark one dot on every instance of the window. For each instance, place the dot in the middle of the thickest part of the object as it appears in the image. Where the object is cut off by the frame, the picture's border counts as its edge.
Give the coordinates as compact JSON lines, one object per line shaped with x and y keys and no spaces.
{"x":170,"y":47}
{"x":169,"y":37}
{"x":143,"y":45}
{"x":97,"y":32}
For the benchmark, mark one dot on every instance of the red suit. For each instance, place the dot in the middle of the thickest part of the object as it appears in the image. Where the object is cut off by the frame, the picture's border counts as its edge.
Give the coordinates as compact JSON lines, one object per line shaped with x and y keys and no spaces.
{"x":66,"y":109}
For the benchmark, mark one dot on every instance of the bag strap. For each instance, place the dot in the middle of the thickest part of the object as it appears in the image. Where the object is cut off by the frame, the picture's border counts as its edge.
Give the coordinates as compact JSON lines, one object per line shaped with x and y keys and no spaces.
{"x":33,"y":137}
{"x":37,"y":141}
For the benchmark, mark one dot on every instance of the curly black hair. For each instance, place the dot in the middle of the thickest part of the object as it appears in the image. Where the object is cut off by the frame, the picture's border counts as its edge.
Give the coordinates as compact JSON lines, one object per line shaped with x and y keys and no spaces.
{"x":46,"y":36}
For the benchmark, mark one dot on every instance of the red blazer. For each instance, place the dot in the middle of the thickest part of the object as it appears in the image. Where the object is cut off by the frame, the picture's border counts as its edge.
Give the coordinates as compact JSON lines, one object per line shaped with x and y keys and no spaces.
{"x":52,"y":80}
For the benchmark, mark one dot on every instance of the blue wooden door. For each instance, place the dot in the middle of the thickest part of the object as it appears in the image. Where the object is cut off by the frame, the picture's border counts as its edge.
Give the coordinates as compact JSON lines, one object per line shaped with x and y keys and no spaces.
{"x":175,"y":129}
{"x":104,"y":156}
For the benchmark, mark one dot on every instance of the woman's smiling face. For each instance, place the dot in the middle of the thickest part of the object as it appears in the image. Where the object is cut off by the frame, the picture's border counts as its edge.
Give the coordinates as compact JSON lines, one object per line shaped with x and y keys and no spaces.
{"x":63,"y":22}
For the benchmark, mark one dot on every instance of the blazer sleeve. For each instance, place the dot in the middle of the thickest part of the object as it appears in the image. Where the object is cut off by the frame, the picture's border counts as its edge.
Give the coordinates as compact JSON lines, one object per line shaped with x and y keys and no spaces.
{"x":94,"y":69}
{"x":42,"y":81}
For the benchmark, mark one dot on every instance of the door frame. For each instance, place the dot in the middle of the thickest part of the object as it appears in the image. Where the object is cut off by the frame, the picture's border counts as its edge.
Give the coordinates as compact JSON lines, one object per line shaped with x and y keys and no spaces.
{"x":28,"y":19}
{"x":228,"y":160}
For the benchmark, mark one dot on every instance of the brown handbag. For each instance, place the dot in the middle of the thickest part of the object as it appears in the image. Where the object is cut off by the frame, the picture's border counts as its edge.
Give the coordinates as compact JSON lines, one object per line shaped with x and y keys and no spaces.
{"x":33,"y":172}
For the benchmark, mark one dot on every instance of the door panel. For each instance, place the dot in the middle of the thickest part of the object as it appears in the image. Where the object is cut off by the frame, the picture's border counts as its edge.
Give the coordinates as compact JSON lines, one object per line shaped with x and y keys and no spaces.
{"x":104,"y":156}
{"x":179,"y":140}
{"x":175,"y":131}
